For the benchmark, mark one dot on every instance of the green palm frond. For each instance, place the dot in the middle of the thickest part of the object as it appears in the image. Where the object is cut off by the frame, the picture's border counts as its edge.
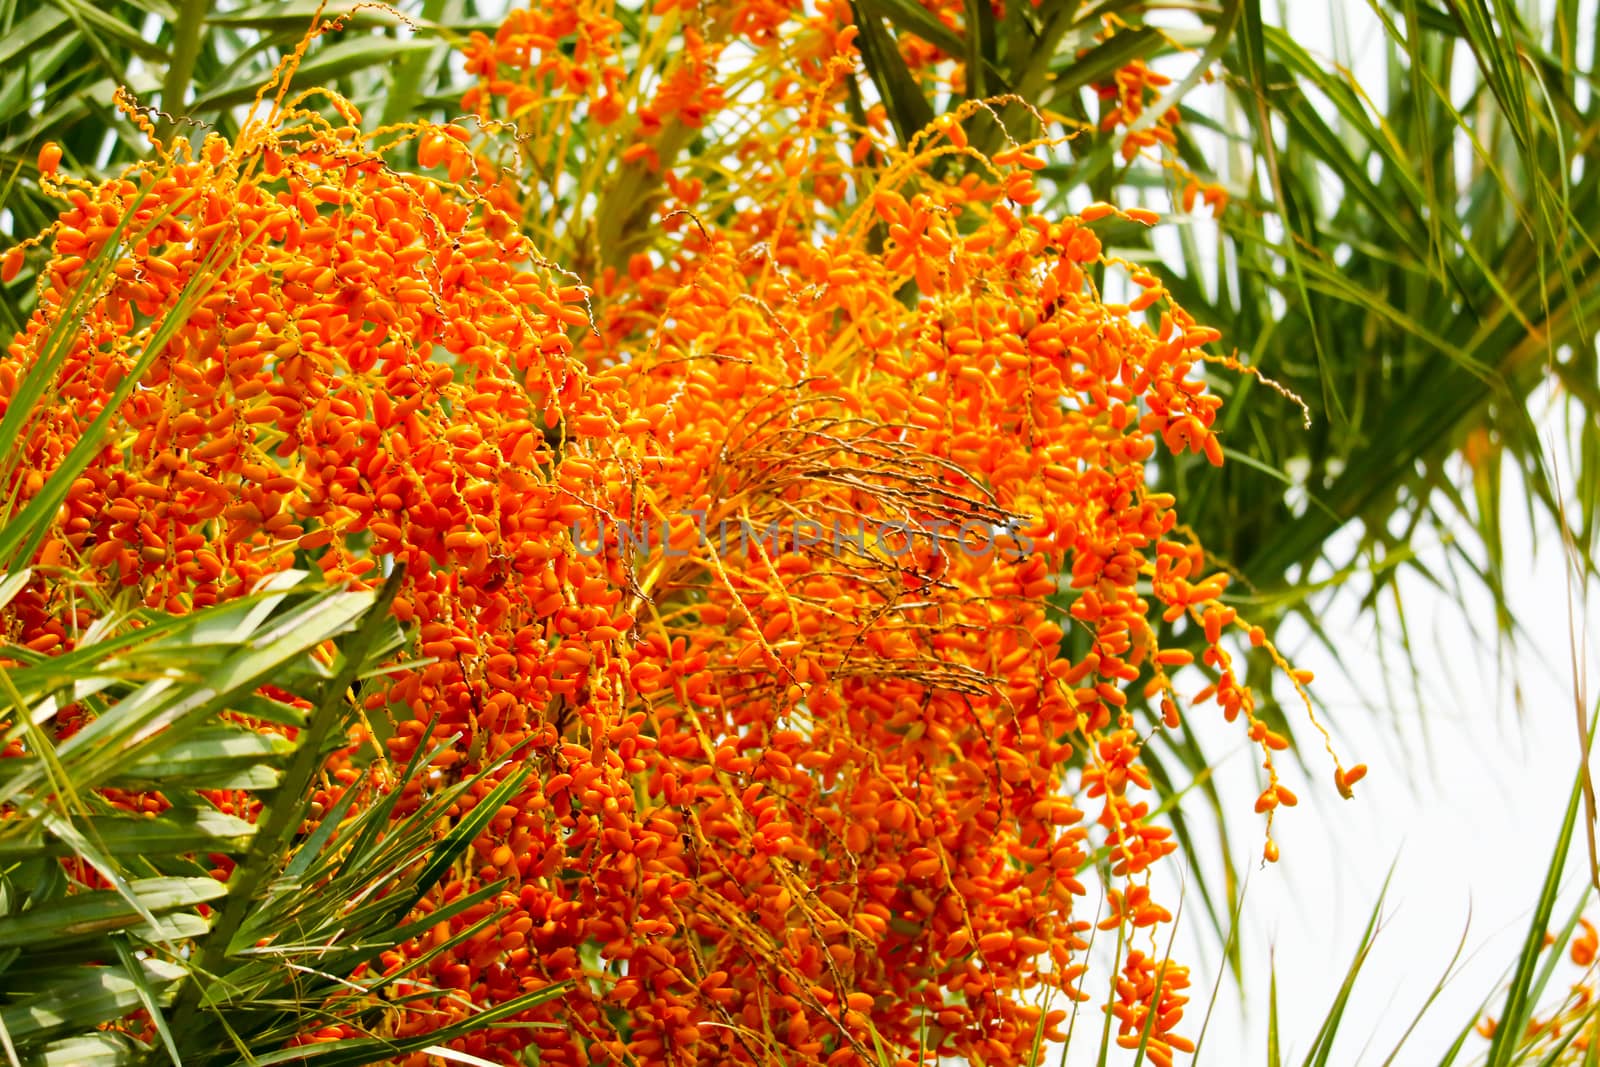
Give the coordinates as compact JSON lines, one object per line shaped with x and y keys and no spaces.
{"x":172,"y":708}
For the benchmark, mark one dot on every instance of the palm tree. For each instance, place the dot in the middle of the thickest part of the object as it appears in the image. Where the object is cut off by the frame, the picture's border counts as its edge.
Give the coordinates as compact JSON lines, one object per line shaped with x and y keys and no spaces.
{"x":1411,"y":254}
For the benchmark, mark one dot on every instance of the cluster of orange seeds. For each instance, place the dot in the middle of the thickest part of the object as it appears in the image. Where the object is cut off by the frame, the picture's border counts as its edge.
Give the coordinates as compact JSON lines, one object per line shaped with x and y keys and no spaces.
{"x":1565,"y":1032}
{"x":807,"y":554}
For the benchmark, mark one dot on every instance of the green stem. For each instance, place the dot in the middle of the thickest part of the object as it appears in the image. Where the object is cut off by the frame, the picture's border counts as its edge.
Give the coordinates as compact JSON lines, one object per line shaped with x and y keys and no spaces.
{"x":405,"y":87}
{"x":186,"y":31}
{"x":1029,"y":82}
{"x":624,"y":215}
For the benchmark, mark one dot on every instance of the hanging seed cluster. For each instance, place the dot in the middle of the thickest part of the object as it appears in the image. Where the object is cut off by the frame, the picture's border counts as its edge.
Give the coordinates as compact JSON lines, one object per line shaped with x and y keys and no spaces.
{"x":799,"y":788}
{"x":1563,"y":1024}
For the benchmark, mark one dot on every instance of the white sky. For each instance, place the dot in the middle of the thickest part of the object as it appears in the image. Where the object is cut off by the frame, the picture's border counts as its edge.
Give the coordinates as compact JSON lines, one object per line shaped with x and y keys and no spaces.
{"x":1468,"y":815}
